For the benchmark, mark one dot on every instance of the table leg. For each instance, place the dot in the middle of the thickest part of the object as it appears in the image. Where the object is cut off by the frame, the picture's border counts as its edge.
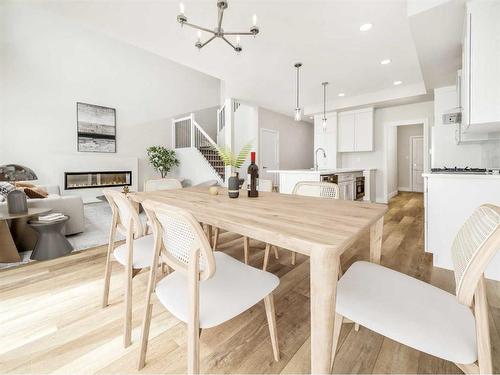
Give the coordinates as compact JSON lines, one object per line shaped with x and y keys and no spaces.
{"x":376,"y":232}
{"x":8,"y":250}
{"x":324,"y":273}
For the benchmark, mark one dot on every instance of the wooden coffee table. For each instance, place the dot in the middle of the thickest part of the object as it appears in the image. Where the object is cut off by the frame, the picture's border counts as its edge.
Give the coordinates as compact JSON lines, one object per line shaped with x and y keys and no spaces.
{"x":11,"y":241}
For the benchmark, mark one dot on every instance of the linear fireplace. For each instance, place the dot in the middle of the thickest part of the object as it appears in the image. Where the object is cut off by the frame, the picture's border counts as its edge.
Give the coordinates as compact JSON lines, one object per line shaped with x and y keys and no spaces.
{"x":88,"y":180}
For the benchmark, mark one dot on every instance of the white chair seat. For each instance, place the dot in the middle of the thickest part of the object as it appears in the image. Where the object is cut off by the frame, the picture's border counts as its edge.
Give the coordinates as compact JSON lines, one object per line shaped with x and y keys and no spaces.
{"x":409,"y":311}
{"x":142,"y":253}
{"x":233,"y":289}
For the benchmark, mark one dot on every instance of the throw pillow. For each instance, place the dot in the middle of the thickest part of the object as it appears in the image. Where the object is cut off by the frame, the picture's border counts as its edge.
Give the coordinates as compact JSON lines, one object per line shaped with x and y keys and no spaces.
{"x":24,"y":184}
{"x":5,"y":189}
{"x":35,"y":192}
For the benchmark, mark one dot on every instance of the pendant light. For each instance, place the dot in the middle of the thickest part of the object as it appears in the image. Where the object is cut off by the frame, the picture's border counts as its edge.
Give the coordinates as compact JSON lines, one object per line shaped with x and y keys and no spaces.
{"x":324,"y":120}
{"x":298,"y":110}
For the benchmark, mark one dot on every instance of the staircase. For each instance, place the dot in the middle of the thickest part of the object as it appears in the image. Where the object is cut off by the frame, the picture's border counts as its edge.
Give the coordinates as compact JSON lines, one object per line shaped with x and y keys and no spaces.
{"x":214,"y":159}
{"x":188,"y":134}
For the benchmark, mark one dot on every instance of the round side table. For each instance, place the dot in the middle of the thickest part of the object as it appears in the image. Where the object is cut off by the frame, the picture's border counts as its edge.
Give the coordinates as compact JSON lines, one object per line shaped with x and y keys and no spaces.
{"x":51,"y":243}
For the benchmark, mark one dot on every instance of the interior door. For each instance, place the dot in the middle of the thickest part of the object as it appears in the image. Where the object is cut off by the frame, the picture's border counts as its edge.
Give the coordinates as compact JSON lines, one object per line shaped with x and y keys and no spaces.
{"x":269,"y":150}
{"x":417,"y":164}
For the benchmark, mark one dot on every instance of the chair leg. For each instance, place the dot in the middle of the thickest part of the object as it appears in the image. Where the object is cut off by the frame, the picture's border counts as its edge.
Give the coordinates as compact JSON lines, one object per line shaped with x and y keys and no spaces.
{"x":145,"y":335}
{"x":127,"y":335}
{"x":107,"y":280}
{"x":266,"y":256}
{"x":336,"y":335}
{"x":107,"y":270}
{"x":294,"y":257}
{"x":246,"y":244}
{"x":216,"y":238}
{"x":271,"y":321}
{"x":276,"y":252}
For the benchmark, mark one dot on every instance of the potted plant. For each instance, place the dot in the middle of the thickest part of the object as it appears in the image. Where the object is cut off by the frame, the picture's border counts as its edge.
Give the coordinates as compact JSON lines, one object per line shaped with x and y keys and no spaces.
{"x":162,"y":159}
{"x":235,"y":161}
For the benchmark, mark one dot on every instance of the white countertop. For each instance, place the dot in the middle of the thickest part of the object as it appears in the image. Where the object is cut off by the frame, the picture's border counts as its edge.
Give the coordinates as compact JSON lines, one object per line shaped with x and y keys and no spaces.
{"x":462,"y":175}
{"x":320,"y":171}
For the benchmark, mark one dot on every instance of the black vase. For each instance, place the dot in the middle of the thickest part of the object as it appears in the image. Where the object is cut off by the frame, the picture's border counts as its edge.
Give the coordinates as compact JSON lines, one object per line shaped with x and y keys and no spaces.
{"x":233,"y":186}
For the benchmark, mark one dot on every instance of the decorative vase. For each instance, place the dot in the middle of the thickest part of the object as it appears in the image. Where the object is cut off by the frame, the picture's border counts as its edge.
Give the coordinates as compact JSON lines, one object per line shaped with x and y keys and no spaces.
{"x":17,"y":202}
{"x":233,"y":185}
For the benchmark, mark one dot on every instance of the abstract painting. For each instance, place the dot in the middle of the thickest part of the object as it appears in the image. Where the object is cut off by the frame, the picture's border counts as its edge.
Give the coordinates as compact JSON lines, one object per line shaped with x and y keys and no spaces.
{"x":96,"y":128}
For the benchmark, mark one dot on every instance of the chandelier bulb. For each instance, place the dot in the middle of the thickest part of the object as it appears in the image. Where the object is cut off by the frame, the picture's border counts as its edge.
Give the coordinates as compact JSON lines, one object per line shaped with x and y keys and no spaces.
{"x":254,"y":20}
{"x":181,"y":7}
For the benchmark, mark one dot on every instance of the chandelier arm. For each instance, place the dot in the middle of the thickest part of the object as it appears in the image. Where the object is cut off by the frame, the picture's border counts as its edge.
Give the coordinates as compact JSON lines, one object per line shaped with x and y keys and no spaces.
{"x":228,"y":42}
{"x":220,"y":16}
{"x":199,"y":27}
{"x":237,"y":33}
{"x":208,"y":41}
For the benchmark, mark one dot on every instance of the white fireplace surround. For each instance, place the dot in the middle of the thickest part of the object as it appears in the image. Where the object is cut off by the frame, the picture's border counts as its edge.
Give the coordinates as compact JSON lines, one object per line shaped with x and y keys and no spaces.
{"x":93,"y":163}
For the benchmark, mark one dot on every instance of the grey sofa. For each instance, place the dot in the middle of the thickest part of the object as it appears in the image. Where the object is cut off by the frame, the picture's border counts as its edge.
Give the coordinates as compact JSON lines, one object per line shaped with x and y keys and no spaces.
{"x":69,"y":205}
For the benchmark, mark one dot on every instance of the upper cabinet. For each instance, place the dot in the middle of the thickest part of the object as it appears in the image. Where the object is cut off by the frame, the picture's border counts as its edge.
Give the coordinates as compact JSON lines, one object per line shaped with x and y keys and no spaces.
{"x":355,"y":130}
{"x":480,"y":81}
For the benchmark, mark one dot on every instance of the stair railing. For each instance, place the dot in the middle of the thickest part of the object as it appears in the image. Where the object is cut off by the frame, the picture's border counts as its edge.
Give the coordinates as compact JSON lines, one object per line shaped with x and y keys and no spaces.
{"x":187,"y":133}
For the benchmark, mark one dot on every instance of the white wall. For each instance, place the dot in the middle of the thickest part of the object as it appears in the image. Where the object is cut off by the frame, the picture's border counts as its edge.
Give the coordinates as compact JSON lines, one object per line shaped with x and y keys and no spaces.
{"x":404,"y":153}
{"x":245,"y":130}
{"x":49,"y":63}
{"x":446,"y":152}
{"x":375,"y":159}
{"x":296,"y":139}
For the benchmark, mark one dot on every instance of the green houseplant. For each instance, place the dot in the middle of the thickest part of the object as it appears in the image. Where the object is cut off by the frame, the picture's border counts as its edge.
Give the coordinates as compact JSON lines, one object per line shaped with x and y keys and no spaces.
{"x":162,"y":159}
{"x":231,"y":159}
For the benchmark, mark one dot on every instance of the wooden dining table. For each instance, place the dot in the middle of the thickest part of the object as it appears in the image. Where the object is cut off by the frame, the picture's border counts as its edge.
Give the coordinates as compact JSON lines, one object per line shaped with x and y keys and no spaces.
{"x":319,"y":228}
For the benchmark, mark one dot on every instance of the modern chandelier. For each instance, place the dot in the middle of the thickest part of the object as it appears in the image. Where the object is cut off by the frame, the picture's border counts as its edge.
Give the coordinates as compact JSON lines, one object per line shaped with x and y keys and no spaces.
{"x":298,"y":110}
{"x":218,"y":31}
{"x":324,"y":120}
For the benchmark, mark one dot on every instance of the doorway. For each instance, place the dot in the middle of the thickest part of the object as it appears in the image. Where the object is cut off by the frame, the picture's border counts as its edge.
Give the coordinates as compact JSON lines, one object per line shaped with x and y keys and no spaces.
{"x":398,"y":155}
{"x":417,"y":163}
{"x":269,"y":154}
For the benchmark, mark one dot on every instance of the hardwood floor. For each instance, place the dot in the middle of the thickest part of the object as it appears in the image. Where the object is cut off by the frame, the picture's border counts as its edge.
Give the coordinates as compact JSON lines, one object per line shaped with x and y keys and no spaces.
{"x":51,"y":318}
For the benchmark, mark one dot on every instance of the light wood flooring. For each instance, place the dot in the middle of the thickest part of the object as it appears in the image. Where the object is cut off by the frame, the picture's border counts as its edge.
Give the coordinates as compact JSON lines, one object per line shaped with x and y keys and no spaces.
{"x":51,"y":320}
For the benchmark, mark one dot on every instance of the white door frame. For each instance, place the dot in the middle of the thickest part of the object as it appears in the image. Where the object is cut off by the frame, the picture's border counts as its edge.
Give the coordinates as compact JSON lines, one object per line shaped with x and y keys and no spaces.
{"x":412,"y":137}
{"x":387,"y":127}
{"x":261,"y":131}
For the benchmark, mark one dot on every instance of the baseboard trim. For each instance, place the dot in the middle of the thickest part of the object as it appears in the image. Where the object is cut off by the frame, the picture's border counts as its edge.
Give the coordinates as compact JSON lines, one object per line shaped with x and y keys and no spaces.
{"x":403,"y":188}
{"x":392,"y":195}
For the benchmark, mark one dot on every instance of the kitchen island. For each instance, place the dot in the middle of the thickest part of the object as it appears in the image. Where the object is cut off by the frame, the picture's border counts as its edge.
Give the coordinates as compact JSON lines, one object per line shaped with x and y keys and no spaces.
{"x":350,"y":180}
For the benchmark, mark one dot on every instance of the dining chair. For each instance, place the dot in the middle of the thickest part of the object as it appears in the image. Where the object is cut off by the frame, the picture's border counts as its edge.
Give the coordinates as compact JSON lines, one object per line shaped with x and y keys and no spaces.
{"x":135,"y":254}
{"x":311,"y":189}
{"x":264,"y":186}
{"x":422,"y":316}
{"x":162,"y":184}
{"x":207,"y":288}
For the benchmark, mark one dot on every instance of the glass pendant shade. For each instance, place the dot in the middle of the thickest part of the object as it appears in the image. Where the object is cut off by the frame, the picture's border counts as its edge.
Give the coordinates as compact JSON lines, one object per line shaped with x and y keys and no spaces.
{"x":298,"y":114}
{"x":324,"y":123}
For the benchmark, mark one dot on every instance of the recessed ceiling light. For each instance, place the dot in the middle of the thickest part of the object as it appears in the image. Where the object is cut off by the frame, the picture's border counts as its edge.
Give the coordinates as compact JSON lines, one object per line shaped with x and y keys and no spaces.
{"x":396,"y":83}
{"x":386,"y":61}
{"x":341,"y":94}
{"x":365,"y":27}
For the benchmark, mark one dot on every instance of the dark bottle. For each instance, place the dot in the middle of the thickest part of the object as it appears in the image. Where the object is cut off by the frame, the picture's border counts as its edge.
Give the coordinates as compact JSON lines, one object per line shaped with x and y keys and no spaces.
{"x":253,"y":177}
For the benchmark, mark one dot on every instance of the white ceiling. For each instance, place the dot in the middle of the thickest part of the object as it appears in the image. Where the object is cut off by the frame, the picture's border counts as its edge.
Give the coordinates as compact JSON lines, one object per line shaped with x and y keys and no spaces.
{"x":323,"y":35}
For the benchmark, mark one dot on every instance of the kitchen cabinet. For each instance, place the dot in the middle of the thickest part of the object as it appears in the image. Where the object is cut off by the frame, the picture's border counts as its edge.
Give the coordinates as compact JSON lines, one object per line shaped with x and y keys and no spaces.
{"x":480,"y":81}
{"x":355,"y":130}
{"x":346,"y":131}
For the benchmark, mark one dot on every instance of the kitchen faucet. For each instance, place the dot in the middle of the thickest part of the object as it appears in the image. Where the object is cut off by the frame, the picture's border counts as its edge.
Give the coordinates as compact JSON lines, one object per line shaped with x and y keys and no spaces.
{"x":316,"y":157}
